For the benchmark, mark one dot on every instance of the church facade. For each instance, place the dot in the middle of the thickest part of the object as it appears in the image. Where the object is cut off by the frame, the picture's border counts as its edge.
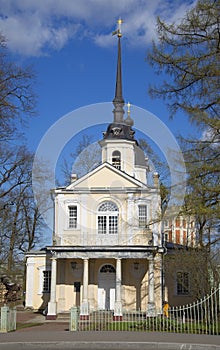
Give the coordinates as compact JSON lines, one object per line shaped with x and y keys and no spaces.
{"x":107,"y":247}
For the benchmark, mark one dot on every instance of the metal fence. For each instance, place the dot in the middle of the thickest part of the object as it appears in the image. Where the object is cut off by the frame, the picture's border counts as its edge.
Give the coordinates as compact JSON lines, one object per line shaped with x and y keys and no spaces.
{"x":201,"y":317}
{"x":7,"y":319}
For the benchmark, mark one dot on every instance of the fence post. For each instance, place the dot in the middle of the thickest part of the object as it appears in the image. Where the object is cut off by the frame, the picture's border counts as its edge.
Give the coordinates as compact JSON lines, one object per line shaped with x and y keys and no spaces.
{"x":14,"y":319}
{"x":4,"y":318}
{"x":73,"y":326}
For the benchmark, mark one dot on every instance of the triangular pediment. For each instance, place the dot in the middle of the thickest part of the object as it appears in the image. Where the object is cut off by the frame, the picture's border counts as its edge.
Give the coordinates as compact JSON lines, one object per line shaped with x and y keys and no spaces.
{"x":106,"y":176}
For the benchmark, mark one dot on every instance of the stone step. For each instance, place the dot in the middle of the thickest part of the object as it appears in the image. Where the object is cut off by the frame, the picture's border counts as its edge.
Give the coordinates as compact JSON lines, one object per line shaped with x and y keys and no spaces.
{"x":63,"y":316}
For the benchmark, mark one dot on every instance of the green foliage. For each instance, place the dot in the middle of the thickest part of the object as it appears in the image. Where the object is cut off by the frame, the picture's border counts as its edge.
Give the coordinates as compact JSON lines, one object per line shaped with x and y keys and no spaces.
{"x":21,"y":325}
{"x":203,"y":196}
{"x":189,"y":53}
{"x":155,"y":324}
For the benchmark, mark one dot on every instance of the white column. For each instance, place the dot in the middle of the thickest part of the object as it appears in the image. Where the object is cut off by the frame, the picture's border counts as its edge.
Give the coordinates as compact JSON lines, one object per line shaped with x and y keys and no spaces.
{"x":29,"y":283}
{"x":118,"y":304}
{"x":85,"y":279}
{"x":118,"y":280}
{"x":61,"y":301}
{"x":52,"y":305}
{"x":84,"y":309}
{"x":151,"y":302}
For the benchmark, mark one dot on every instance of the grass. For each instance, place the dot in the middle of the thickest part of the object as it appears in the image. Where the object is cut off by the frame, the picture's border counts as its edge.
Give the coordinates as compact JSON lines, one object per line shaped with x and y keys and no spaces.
{"x":27,"y":325}
{"x":153,"y":325}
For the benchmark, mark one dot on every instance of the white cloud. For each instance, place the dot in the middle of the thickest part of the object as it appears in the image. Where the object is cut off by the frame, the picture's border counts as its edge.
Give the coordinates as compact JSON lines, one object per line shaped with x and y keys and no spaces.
{"x":211,"y":136}
{"x":33,"y":27}
{"x":32,"y":42}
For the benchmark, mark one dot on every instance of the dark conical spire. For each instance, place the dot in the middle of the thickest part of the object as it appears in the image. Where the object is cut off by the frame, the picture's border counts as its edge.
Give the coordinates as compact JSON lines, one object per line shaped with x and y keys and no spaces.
{"x":120,"y":128}
{"x":118,"y":100}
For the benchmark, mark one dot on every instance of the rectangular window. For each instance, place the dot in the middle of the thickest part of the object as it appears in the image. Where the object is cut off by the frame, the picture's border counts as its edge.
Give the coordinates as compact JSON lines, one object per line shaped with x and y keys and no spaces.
{"x":182,"y":283}
{"x":113,"y":224}
{"x":177,"y":222}
{"x":46,"y":282}
{"x":184,"y":237}
{"x":73,"y":217}
{"x":142,"y":215}
{"x":107,"y":224}
{"x":102,"y":224}
{"x":177,"y":237}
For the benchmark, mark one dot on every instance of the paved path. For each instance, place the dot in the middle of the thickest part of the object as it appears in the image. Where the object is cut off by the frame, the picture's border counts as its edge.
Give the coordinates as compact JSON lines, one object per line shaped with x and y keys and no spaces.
{"x":55,"y":335}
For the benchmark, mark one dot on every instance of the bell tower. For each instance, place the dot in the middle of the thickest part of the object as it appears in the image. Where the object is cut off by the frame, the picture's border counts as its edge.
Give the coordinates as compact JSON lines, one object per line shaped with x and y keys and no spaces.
{"x":119,"y":146}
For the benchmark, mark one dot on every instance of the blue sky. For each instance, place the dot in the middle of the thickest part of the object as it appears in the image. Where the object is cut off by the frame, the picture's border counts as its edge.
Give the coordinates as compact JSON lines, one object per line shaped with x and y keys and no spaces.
{"x":72,"y":50}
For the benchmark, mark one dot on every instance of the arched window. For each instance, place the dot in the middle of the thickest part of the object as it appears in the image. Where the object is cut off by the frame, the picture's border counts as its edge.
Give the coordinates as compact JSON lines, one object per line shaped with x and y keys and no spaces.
{"x":108,"y":218}
{"x":116,"y":159}
{"x":107,"y":268}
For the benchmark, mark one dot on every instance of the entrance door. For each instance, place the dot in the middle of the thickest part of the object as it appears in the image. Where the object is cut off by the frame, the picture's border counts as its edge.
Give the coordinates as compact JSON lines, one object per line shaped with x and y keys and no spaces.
{"x":77,"y":291}
{"x":106,"y":287}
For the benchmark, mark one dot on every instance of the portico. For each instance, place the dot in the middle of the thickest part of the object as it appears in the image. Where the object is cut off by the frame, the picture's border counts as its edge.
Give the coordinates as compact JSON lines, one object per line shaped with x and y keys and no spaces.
{"x":103,"y":279}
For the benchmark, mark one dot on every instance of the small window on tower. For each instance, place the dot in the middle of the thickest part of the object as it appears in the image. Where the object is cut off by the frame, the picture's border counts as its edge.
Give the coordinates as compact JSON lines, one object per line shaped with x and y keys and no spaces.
{"x":116,"y":159}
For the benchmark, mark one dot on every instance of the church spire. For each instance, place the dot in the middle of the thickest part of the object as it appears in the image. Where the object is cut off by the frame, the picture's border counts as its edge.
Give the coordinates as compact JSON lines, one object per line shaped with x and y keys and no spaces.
{"x":118,"y":100}
{"x":120,"y":128}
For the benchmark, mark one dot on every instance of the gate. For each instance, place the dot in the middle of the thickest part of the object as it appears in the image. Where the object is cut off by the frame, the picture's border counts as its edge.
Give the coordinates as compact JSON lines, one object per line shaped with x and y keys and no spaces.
{"x":201,"y":317}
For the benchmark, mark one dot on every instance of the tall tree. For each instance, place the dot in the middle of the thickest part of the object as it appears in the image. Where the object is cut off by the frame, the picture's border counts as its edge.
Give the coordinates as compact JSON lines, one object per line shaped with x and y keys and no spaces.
{"x":21,"y":224}
{"x":188,"y":55}
{"x":17,"y":100}
{"x":20,"y":220}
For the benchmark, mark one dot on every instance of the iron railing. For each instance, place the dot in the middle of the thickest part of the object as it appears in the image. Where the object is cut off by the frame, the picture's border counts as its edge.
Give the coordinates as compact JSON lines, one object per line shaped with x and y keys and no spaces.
{"x":201,"y":317}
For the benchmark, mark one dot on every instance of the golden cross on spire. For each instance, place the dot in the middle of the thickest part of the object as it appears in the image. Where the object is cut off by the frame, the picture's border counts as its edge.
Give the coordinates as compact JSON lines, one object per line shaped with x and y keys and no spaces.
{"x":118,"y":30}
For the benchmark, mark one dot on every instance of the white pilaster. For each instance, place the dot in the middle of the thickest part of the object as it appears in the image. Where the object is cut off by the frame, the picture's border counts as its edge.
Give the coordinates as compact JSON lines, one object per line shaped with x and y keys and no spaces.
{"x":52,"y":305}
{"x":61,"y":290}
{"x":118,"y":303}
{"x":151,"y":302}
{"x":84,"y":309}
{"x":130,"y":217}
{"x":29,"y":283}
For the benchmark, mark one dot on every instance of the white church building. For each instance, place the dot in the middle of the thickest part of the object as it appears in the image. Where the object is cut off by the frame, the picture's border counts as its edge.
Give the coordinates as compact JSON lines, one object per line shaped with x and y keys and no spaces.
{"x":107,"y":248}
